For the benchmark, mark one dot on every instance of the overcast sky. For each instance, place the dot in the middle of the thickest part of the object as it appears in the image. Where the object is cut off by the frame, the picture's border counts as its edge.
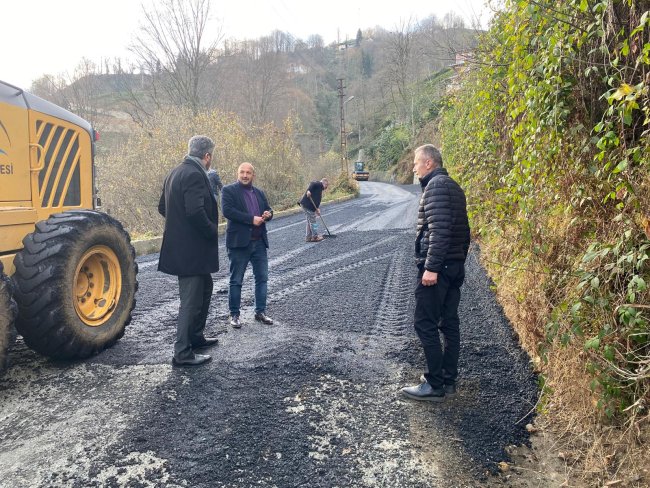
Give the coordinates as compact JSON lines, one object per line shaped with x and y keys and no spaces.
{"x":52,"y":36}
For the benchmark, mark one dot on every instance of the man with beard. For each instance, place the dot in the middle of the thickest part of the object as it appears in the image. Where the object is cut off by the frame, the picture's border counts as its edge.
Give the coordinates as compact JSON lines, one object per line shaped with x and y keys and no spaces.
{"x":190,"y":247}
{"x":247,"y":210}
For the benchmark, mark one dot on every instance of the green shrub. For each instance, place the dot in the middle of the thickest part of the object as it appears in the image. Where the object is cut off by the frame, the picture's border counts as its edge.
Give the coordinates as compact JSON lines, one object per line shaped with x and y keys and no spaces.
{"x":387,"y":149}
{"x":130,"y":178}
{"x":550,"y":135}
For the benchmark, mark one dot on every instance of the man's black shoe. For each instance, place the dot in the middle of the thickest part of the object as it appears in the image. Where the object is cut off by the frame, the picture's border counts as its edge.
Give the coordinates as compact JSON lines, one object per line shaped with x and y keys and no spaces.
{"x":195,"y":361}
{"x":206,"y":342}
{"x":424,"y":392}
{"x":262,"y":317}
{"x":235,"y":322}
{"x":450,"y":390}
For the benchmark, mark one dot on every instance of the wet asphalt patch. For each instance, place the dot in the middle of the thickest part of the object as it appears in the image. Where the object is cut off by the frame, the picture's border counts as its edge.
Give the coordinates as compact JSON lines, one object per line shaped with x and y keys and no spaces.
{"x":313,"y":400}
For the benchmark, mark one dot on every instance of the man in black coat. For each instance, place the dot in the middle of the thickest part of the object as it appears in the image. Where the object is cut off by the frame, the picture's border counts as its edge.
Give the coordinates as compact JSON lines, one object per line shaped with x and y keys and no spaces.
{"x":215,"y":181}
{"x":247,"y":211}
{"x":189,"y":248}
{"x":441,"y":248}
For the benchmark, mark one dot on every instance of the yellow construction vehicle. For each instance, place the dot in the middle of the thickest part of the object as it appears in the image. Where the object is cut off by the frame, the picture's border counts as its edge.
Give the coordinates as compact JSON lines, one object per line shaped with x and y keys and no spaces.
{"x":69,"y":268}
{"x":360,"y":173}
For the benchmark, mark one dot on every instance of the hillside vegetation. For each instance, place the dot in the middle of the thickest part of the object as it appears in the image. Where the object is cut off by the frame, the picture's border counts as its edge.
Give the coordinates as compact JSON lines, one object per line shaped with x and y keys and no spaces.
{"x":274,"y":101}
{"x":550,"y":134}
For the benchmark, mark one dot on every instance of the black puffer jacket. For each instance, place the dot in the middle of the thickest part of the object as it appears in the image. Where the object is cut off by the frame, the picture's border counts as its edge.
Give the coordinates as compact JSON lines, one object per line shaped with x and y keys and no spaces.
{"x":443,"y":228}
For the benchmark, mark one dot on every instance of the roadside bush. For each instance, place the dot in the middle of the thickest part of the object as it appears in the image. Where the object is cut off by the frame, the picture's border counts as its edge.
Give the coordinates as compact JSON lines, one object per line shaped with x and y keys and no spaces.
{"x":131,"y":176}
{"x":328,"y":165}
{"x":388,"y":147}
{"x":344,"y":184}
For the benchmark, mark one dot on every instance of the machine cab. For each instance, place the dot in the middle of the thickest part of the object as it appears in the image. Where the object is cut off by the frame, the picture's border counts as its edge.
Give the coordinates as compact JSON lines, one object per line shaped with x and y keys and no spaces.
{"x":46,"y":165}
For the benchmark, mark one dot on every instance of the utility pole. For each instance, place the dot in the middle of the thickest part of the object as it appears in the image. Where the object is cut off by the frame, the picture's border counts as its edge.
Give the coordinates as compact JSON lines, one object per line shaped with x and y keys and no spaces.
{"x":344,"y":148}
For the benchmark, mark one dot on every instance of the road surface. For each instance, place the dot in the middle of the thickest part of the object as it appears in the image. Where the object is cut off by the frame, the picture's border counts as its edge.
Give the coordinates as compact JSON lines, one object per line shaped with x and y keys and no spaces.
{"x":310,"y":401}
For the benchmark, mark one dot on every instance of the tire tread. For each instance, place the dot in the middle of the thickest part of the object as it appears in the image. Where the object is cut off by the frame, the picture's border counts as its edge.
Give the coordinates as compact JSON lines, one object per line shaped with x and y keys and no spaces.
{"x":46,"y":320}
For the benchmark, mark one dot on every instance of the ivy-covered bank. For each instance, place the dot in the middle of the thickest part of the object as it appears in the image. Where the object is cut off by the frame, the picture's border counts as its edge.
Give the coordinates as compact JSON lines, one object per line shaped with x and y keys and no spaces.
{"x":550,"y":134}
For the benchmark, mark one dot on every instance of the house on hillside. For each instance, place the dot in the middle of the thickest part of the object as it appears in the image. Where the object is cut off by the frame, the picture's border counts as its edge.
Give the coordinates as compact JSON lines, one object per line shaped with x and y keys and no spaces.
{"x":460,"y":66}
{"x":297,"y":69}
{"x":342,"y":46}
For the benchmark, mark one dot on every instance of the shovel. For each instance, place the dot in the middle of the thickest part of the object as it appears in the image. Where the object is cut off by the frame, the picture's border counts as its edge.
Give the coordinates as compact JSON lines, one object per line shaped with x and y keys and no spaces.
{"x":329,"y":234}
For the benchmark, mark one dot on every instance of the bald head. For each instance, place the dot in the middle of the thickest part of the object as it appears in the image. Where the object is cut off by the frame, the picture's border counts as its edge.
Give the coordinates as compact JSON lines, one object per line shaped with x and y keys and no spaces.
{"x":246,"y":174}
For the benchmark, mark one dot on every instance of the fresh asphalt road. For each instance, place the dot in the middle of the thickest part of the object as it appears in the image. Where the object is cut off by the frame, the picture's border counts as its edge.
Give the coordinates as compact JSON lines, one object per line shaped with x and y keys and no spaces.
{"x":310,"y":401}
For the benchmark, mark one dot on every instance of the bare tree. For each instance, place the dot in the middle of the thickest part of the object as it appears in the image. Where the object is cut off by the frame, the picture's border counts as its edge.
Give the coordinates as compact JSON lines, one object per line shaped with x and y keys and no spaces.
{"x":83,"y":91}
{"x":263,"y":78}
{"x":283,"y":41}
{"x":173,"y":49}
{"x":433,"y":44}
{"x":49,"y":87}
{"x":78,"y":92}
{"x":315,"y":41}
{"x":452,"y":20}
{"x":398,"y":61}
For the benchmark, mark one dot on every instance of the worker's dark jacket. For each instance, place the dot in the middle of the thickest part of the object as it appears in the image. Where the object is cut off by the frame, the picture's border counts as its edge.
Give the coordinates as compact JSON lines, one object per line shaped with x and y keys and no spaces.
{"x":240,"y":221}
{"x":316,"y":189}
{"x":189,"y":245}
{"x":443,"y":228}
{"x":215,"y":181}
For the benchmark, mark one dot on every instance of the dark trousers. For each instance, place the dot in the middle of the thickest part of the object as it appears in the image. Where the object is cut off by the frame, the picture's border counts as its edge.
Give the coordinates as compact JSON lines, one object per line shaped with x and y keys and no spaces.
{"x":195,"y":292}
{"x":436,"y":310}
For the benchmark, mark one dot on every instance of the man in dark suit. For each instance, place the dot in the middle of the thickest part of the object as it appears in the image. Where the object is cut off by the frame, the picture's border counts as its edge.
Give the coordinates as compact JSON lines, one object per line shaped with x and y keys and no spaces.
{"x":247,"y":211}
{"x":189,"y":248}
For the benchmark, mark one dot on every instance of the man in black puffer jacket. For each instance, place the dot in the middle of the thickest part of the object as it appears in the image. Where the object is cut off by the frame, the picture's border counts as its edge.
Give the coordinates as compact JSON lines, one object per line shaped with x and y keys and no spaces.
{"x":441,"y":247}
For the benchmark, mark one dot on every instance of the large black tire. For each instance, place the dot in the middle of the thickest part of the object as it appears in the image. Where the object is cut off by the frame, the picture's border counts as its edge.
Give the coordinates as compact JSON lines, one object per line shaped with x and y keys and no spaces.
{"x":55,"y":317}
{"x":8,"y":312}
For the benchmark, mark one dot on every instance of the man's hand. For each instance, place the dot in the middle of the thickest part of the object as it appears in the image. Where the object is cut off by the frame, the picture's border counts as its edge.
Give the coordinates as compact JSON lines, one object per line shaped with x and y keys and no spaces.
{"x":318,"y":211}
{"x":257,"y":220}
{"x":429,"y":278}
{"x":308,"y":193}
{"x":266,"y":215}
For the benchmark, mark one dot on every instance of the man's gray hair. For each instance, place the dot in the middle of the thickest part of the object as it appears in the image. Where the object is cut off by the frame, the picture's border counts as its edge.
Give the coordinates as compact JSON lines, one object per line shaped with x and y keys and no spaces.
{"x":198,"y":146}
{"x":431,"y":152}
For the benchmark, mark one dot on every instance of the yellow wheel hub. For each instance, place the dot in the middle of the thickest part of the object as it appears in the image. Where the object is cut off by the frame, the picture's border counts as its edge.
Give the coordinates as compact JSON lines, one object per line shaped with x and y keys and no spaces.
{"x":98,"y":285}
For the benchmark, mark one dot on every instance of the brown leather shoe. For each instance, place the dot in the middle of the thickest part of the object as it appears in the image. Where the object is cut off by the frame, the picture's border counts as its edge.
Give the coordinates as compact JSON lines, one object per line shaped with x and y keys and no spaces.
{"x":317,"y":239}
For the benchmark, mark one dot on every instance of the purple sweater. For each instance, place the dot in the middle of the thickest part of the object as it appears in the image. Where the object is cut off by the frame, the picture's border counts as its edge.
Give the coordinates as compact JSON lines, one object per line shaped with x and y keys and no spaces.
{"x":253,"y":207}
